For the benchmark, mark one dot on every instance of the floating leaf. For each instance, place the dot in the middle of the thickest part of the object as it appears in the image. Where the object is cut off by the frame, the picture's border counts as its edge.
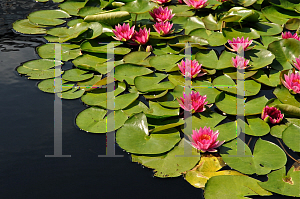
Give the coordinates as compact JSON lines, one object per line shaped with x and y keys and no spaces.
{"x":135,"y":107}
{"x":257,"y":127}
{"x":209,"y":59}
{"x":96,"y":47}
{"x":172,"y":164}
{"x":93,"y":119}
{"x":278,"y":15}
{"x":270,"y":80}
{"x":137,"y":57}
{"x":291,"y":137}
{"x":228,"y":104}
{"x":134,"y":137}
{"x":24,"y":26}
{"x":227,"y":131}
{"x":261,"y":162}
{"x":229,"y":186}
{"x":89,"y":62}
{"x":128,"y":72}
{"x":48,"y":17}
{"x":76,"y":74}
{"x":138,"y":6}
{"x":68,"y":51}
{"x":206,"y":88}
{"x":283,"y":184}
{"x":285,"y":51}
{"x":42,"y":64}
{"x":48,"y":86}
{"x":90,"y":84}
{"x":165,"y":62}
{"x":72,"y":7}
{"x":151,"y":82}
{"x":71,"y":94}
{"x":157,"y":111}
{"x":205,"y":169}
{"x":110,"y":18}
{"x":277,"y":130}
{"x":285,"y":96}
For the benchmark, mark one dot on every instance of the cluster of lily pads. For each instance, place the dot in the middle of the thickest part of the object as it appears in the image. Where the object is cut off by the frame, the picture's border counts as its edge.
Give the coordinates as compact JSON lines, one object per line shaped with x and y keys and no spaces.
{"x":258,"y":38}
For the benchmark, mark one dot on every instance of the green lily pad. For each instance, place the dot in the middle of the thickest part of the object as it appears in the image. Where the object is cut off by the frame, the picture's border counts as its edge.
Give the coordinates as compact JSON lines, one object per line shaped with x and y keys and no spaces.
{"x":266,"y":28}
{"x":110,"y":18}
{"x":201,"y":32}
{"x":283,"y":184}
{"x":94,"y":31}
{"x":88,"y":62}
{"x":170,"y":164}
{"x":176,"y":78}
{"x":270,"y":80}
{"x":244,"y":32}
{"x":157,"y":111}
{"x":165,"y":62}
{"x":68,"y":51}
{"x":278,"y":15}
{"x":166,"y":49}
{"x":206,"y":118}
{"x":261,"y":162}
{"x":76,"y":74}
{"x":237,"y":14}
{"x":205,"y":169}
{"x":206,"y":88}
{"x":216,"y":39}
{"x":74,"y":93}
{"x":211,"y":23}
{"x":292,"y":24}
{"x":121,"y":101}
{"x":277,"y":130}
{"x":291,"y":138}
{"x":90,"y":83}
{"x":150,"y":83}
{"x":289,"y":109}
{"x":134,"y":137}
{"x":232,"y":73}
{"x":182,"y":10}
{"x":138,"y":6}
{"x":285,"y":51}
{"x":94,"y":47}
{"x":41,"y":64}
{"x":227,"y":131}
{"x":209,"y":59}
{"x":72,"y":7}
{"x":48,"y":86}
{"x":42,"y":74}
{"x":99,"y":96}
{"x":257,"y":127}
{"x":227,"y":104}
{"x":259,"y":58}
{"x":233,"y":186}
{"x":93,"y":120}
{"x":63,"y":34}
{"x":135,"y":107}
{"x":89,"y":10}
{"x":137,"y":57}
{"x":74,"y":22}
{"x":283,"y":94}
{"x":48,"y":17}
{"x":26,"y":27}
{"x":128,"y":72}
{"x":251,"y":87}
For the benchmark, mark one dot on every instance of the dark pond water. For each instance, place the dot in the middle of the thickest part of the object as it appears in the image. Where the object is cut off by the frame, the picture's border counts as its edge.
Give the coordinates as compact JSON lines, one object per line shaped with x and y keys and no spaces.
{"x":27,"y":135}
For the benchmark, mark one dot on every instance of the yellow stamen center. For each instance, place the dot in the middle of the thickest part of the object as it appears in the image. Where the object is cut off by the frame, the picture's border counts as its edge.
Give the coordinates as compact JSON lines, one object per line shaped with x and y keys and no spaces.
{"x":205,"y":137}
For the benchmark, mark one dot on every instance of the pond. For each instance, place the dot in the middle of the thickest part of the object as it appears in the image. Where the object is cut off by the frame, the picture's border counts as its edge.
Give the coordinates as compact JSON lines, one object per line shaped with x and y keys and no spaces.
{"x":27,"y":135}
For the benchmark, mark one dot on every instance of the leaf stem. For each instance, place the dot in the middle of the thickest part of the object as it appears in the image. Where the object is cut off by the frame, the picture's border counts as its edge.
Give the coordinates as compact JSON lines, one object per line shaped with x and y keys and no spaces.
{"x":135,"y":19}
{"x":249,"y":141}
{"x":286,"y":151}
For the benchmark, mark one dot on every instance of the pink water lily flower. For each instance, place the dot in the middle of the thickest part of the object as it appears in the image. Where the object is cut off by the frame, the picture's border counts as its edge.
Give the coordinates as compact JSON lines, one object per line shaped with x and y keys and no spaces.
{"x":180,"y":1}
{"x":142,"y":36}
{"x":240,"y":62}
{"x":163,"y":28}
{"x":196,"y":4}
{"x":195,"y":68}
{"x":297,"y":63}
{"x":161,"y":1}
{"x":205,"y":139}
{"x":238,"y":43}
{"x":162,"y":14}
{"x":123,"y":33}
{"x":292,"y":82}
{"x":272,"y":114}
{"x":195,"y":102}
{"x":288,"y":35}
